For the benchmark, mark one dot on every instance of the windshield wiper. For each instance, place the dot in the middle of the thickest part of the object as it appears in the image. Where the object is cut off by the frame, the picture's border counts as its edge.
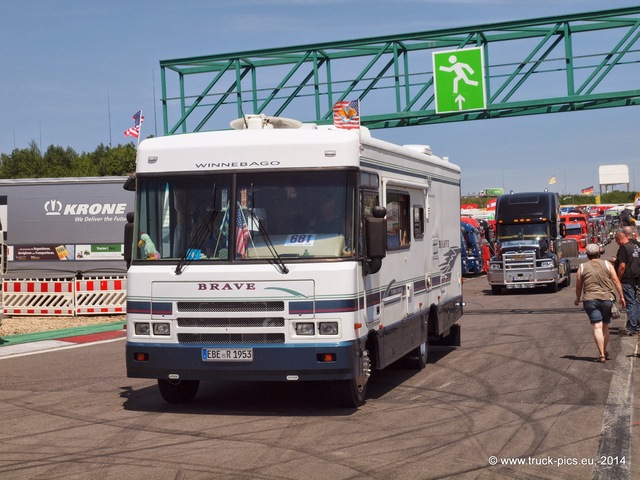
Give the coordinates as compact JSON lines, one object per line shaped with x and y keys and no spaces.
{"x":276,"y":260}
{"x":205,"y":227}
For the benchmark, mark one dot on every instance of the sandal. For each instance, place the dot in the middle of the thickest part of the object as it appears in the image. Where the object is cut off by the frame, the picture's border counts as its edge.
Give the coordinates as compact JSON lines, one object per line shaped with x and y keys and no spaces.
{"x":602,"y":359}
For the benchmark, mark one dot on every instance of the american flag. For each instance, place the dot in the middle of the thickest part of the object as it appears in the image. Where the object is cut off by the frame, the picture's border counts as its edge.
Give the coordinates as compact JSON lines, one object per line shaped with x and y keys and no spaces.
{"x":242,"y":234}
{"x":346,"y":114}
{"x":135,"y":130}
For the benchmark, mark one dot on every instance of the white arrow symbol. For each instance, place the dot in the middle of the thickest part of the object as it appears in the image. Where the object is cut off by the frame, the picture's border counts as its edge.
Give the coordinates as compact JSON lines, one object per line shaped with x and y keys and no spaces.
{"x":459,"y":100}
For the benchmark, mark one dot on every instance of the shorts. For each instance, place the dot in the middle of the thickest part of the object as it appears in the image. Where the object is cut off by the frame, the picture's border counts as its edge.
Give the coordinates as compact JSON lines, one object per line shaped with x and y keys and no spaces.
{"x":598,"y":310}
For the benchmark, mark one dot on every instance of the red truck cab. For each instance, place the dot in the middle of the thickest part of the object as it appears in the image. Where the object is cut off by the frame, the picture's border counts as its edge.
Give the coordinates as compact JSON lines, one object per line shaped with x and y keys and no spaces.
{"x":577,"y":225}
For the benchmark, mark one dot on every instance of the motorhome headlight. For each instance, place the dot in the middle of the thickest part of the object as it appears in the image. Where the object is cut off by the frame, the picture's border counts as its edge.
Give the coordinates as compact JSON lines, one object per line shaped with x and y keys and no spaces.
{"x":328,"y":328}
{"x":495,"y":266}
{"x":161,"y":329}
{"x":305,"y":328}
{"x":142,"y":328}
{"x":546,"y":264}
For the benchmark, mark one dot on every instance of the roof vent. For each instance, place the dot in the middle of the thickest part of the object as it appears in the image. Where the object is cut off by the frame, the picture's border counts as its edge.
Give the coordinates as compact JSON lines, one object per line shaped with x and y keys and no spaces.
{"x":426,"y":149}
{"x":259,"y":122}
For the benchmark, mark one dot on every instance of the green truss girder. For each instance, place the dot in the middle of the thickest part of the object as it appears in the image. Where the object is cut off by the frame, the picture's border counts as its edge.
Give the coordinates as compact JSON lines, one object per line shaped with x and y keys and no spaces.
{"x":392,"y":77}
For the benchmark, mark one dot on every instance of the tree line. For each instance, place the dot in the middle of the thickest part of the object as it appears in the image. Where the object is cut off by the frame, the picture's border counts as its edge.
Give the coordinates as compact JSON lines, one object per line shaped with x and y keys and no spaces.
{"x":57,"y":161}
{"x":615,"y":197}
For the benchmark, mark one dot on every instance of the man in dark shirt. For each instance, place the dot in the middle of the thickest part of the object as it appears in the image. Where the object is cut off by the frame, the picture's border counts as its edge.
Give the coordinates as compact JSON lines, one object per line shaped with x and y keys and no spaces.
{"x":631,"y":233}
{"x":626,"y":251}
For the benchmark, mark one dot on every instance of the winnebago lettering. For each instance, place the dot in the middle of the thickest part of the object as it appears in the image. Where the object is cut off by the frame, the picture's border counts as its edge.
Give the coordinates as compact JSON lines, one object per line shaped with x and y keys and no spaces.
{"x":237,"y":164}
{"x":310,"y":254}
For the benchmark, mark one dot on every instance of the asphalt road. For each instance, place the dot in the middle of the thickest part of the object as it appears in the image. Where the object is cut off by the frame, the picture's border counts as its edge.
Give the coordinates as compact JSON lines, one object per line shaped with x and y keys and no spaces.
{"x":521,"y":398}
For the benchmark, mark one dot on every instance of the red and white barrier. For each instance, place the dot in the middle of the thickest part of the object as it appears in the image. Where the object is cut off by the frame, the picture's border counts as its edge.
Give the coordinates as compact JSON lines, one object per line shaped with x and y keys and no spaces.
{"x":37,"y":297}
{"x":68,"y":297}
{"x":101,"y":296}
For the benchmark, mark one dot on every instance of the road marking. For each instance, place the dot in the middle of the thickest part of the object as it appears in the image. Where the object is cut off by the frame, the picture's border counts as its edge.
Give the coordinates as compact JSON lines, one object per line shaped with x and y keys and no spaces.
{"x":615,"y":441}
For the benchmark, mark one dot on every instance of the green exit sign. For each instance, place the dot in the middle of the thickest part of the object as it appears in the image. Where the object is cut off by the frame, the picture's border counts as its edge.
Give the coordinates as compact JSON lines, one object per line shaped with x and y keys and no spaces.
{"x":459,"y":80}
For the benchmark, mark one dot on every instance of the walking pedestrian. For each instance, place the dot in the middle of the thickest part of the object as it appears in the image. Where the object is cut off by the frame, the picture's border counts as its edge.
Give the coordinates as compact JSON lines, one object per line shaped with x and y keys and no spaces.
{"x":630,"y":232}
{"x":597,"y":285}
{"x":628,"y":252}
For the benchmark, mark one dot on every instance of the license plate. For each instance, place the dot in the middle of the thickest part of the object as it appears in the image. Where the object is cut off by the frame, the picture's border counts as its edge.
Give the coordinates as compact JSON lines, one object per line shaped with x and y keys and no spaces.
{"x":227,"y":354}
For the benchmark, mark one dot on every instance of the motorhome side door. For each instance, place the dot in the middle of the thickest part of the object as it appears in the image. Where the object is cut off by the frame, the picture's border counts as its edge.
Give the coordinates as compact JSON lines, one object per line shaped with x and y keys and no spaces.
{"x":397,"y":272}
{"x":371,"y":282}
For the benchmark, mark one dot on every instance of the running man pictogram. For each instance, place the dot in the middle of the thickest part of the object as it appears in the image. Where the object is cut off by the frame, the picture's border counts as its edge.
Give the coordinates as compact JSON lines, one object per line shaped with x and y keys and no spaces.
{"x":460,"y":70}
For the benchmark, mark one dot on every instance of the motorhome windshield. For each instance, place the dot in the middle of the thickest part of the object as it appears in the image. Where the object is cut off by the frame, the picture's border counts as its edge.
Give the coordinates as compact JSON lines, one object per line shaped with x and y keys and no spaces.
{"x":531,"y":231}
{"x":245,"y":216}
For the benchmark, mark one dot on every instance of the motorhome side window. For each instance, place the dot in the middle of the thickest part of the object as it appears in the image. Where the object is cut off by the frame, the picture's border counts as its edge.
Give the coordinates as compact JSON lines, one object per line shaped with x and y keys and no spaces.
{"x":368,"y":200}
{"x":398,"y":220}
{"x":252,"y":216}
{"x":418,"y":221}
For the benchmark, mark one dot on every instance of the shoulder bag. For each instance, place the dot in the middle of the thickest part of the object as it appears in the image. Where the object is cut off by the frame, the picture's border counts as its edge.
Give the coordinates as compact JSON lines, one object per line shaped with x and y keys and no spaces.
{"x":615,"y":311}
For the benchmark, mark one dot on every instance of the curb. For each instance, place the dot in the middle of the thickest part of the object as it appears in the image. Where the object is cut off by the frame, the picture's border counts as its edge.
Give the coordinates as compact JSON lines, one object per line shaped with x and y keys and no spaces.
{"x":70,"y":334}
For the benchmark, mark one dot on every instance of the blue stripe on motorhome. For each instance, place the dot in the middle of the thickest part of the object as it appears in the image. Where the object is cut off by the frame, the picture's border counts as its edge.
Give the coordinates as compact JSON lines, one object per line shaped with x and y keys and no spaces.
{"x":161,"y":308}
{"x":325,"y":306}
{"x":296,"y":308}
{"x":147,"y":308}
{"x":373,"y":299}
{"x":138,"y":307}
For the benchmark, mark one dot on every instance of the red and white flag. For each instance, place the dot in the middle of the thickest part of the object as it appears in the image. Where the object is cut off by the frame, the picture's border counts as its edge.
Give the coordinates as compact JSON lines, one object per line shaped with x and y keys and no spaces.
{"x":135,"y":130}
{"x":346,"y":114}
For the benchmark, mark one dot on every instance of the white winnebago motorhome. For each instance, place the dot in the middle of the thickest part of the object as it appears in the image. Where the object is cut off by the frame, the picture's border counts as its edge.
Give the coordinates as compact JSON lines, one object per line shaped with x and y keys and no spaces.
{"x":282,"y":251}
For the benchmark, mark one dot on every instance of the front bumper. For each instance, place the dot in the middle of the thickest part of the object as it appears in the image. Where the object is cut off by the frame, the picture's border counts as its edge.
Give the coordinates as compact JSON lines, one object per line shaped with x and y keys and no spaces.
{"x":270,"y":363}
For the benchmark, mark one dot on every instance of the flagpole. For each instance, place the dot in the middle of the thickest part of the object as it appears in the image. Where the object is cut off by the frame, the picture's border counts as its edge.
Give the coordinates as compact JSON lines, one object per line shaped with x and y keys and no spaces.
{"x":140,"y":131}
{"x":109,"y":110}
{"x":155,"y":115}
{"x":359,"y":122}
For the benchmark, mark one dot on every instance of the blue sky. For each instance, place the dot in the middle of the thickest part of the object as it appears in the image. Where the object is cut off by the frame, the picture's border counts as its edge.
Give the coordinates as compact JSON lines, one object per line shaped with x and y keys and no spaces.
{"x":73,"y":74}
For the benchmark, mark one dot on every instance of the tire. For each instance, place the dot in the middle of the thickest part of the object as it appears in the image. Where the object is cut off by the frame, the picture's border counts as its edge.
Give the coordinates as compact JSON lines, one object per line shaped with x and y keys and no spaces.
{"x":179,"y":391}
{"x":417,"y":357}
{"x":496,"y":289}
{"x":351,"y":394}
{"x":553,"y":288}
{"x":567,"y":282}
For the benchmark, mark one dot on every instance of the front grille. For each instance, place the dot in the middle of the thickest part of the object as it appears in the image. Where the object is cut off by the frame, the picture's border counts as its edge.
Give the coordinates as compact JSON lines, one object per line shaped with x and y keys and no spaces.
{"x":569,"y":248}
{"x":517,"y":260}
{"x":230,"y":322}
{"x":230,"y":307}
{"x":230,"y":338}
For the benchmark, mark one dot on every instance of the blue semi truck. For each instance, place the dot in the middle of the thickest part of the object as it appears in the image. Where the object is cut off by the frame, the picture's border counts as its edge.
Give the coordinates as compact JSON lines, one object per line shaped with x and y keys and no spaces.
{"x":471,"y":249}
